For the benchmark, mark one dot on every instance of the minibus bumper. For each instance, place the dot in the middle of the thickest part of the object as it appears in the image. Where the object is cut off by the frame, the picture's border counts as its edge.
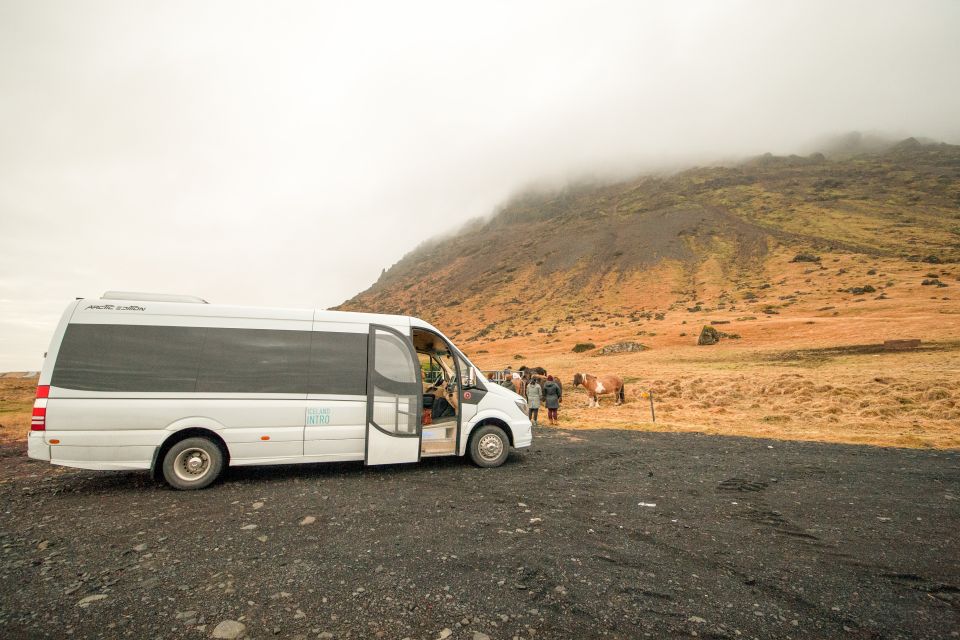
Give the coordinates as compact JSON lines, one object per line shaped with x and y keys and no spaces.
{"x":37,"y":447}
{"x":522,"y":433}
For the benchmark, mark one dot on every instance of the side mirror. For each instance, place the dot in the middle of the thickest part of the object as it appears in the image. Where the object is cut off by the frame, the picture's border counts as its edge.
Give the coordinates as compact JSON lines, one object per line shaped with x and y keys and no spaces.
{"x":471,"y":378}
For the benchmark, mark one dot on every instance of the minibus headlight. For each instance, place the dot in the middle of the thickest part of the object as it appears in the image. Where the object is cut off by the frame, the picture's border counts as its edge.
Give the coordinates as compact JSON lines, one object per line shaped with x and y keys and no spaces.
{"x":522,"y":405}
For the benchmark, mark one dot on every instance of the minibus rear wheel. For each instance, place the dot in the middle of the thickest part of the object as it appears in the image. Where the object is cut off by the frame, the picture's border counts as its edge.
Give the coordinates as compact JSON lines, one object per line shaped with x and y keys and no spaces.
{"x":193,"y":463}
{"x":489,"y":446}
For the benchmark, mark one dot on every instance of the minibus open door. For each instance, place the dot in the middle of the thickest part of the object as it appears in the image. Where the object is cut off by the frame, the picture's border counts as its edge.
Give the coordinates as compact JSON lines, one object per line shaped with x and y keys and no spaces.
{"x":394,"y":398}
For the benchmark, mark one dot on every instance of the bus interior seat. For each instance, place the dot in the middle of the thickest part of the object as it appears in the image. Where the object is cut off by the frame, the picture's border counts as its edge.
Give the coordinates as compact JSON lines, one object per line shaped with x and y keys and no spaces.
{"x":442,"y":409}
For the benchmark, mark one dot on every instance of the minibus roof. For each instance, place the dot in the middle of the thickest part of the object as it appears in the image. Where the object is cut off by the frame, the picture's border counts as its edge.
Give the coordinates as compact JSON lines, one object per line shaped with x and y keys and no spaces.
{"x":175,"y":305}
{"x":151,"y":297}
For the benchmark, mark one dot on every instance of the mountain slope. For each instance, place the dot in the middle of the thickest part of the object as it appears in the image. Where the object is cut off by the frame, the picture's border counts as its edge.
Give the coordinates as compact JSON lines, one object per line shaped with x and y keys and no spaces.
{"x":703,"y":237}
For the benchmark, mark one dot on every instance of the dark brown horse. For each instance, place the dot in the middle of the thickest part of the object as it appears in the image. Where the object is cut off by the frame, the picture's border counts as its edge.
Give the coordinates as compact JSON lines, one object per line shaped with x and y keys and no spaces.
{"x":599,"y":386}
{"x":533,"y":373}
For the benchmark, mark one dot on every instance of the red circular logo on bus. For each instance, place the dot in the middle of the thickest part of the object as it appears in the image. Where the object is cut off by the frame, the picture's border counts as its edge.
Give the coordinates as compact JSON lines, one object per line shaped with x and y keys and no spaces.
{"x":466,"y":396}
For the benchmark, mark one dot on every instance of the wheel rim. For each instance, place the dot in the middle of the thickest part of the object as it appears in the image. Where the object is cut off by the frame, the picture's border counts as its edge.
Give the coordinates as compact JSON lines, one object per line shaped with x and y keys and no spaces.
{"x":192,"y":464}
{"x":490,"y":446}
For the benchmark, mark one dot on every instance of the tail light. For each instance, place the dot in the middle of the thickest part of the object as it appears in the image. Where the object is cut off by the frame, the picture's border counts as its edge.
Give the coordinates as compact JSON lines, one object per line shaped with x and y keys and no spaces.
{"x":39,"y":420}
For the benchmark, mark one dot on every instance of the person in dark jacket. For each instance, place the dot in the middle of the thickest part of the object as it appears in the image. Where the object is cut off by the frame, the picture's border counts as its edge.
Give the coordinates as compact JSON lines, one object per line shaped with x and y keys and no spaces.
{"x":552,"y":397}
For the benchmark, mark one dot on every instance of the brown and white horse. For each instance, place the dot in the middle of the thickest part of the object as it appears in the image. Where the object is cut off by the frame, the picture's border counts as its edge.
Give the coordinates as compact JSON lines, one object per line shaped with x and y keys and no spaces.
{"x":599,"y":386}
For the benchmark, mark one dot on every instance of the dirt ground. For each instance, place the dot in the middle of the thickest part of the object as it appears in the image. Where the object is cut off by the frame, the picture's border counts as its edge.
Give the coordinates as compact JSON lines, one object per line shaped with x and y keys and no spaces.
{"x":590,"y":533}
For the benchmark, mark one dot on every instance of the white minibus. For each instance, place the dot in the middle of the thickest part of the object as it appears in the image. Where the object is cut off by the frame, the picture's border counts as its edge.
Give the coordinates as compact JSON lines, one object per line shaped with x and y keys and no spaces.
{"x":184,"y":389}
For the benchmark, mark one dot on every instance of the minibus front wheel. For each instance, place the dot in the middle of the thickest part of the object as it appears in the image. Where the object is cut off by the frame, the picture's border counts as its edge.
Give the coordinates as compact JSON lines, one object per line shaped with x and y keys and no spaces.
{"x":489,"y":446}
{"x":193,"y":463}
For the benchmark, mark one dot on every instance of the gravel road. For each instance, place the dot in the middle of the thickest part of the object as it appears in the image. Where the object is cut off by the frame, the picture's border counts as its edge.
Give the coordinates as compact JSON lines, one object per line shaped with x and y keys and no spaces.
{"x":590,"y":533}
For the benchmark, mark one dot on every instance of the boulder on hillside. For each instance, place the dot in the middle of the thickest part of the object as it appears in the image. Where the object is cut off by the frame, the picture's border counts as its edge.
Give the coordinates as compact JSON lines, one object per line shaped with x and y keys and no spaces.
{"x":621,"y":347}
{"x":708,"y":335}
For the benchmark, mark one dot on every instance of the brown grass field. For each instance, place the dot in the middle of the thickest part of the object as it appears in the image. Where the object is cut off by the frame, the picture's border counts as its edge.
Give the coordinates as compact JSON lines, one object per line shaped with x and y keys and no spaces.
{"x":856,"y":396}
{"x":811,"y":371}
{"x":16,"y":403}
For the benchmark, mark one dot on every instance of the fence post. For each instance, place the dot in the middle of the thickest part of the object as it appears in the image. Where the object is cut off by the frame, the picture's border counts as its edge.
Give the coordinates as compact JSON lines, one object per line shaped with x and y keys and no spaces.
{"x":653,"y":416}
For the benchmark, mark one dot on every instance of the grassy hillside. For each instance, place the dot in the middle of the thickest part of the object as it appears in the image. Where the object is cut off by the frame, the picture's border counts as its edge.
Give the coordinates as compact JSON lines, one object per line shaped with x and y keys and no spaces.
{"x":706,"y":237}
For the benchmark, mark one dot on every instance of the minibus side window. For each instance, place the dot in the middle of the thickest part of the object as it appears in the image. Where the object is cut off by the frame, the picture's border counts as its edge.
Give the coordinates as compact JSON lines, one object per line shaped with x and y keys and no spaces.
{"x":394,"y":360}
{"x":395,"y":379}
{"x":254,"y":361}
{"x":107,"y":357}
{"x":467,"y":373}
{"x":338,"y":363}
{"x":131,"y":358}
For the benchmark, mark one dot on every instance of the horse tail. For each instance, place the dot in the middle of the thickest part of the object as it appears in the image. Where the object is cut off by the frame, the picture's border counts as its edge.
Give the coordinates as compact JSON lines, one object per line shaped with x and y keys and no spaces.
{"x":622,"y":393}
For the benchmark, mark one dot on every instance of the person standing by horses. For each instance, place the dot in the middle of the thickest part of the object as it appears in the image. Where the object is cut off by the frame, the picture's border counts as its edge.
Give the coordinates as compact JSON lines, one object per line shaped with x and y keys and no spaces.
{"x":519,"y":384}
{"x":552,"y":397}
{"x":534,"y":396}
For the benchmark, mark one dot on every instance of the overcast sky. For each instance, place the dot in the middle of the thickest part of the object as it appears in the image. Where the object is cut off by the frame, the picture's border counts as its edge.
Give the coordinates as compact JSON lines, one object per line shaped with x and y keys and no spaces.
{"x":283,"y":153}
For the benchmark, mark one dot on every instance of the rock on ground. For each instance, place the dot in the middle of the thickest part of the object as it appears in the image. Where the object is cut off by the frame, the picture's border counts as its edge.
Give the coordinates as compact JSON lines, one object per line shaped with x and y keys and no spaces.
{"x":229,"y":630}
{"x":86,"y":602}
{"x":708,"y":335}
{"x":620,"y":347}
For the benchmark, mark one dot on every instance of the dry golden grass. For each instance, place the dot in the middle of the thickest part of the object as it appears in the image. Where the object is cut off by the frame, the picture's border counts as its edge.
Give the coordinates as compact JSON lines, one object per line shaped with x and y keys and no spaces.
{"x":789,"y":375}
{"x":888,"y":399}
{"x":16,"y":404}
